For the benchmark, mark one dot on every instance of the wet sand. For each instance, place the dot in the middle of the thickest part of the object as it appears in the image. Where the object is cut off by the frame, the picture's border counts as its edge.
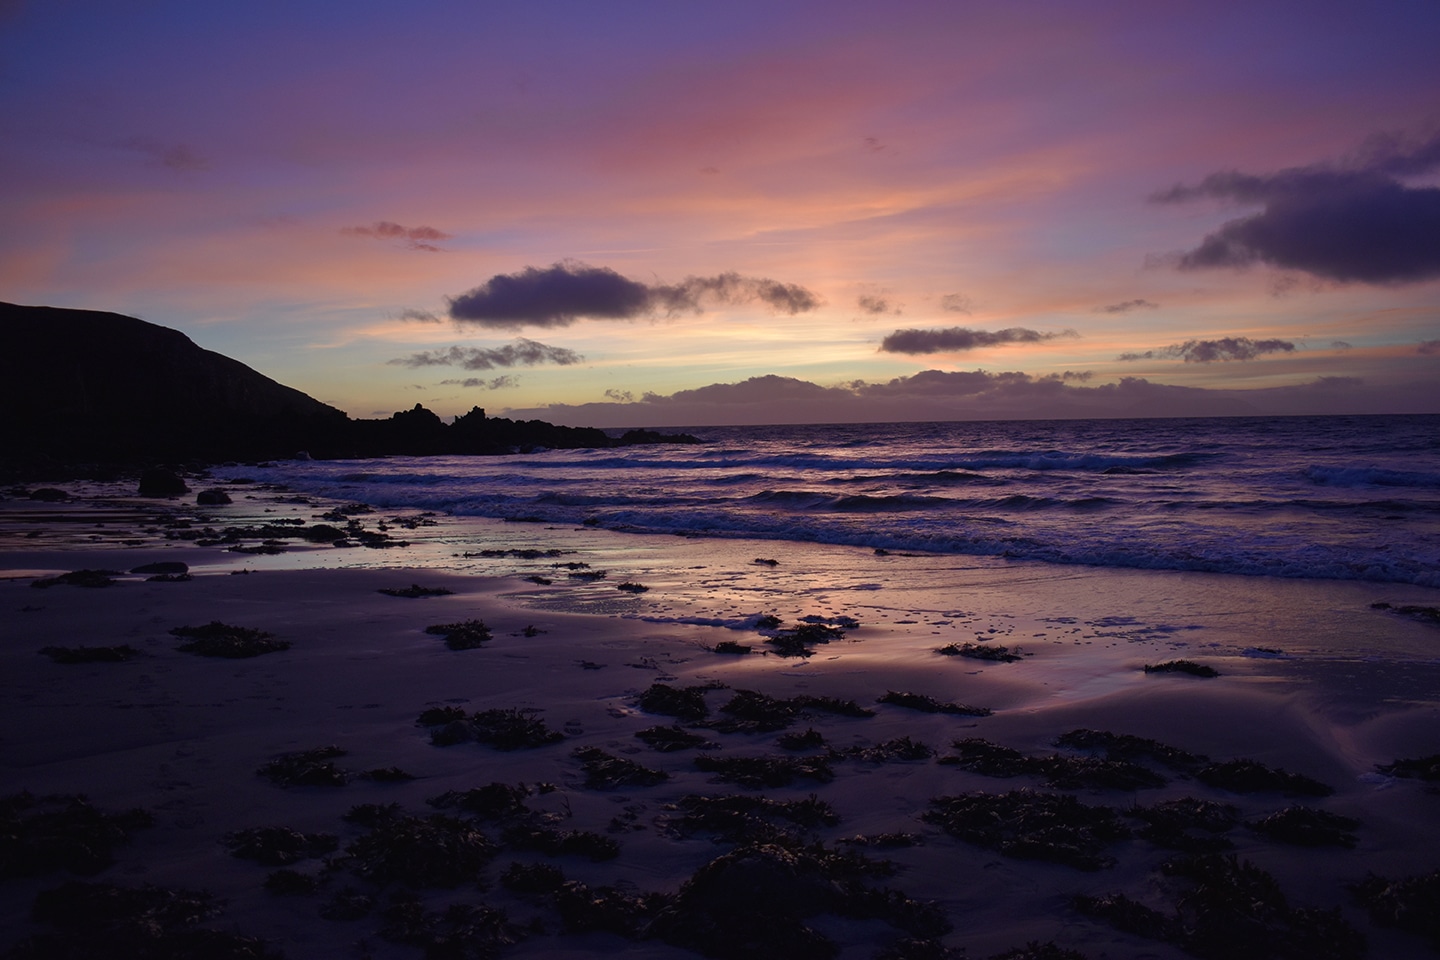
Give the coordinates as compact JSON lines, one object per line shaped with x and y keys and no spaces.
{"x":1312,"y":679}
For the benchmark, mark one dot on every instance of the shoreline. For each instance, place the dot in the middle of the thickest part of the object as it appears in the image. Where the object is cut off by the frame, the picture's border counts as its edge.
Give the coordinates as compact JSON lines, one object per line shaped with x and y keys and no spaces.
{"x":1312,"y":680}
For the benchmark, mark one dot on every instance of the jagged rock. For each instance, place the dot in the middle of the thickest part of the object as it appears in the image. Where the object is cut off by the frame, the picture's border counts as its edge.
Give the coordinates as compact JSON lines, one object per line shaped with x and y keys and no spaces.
{"x":156,"y":482}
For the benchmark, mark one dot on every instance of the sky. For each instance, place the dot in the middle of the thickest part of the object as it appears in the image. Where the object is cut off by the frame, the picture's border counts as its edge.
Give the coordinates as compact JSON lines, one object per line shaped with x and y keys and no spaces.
{"x":669,"y":214}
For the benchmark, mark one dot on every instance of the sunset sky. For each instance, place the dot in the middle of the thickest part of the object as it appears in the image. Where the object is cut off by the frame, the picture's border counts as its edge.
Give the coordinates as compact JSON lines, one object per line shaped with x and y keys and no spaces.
{"x":644,"y":213}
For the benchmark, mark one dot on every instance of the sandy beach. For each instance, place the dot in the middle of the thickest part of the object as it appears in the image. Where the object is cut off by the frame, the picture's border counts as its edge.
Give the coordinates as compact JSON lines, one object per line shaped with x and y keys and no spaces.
{"x":616,"y":854}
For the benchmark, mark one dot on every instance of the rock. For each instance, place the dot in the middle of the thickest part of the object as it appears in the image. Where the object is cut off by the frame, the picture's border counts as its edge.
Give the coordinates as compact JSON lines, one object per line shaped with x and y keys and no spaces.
{"x":49,"y":495}
{"x":156,"y":482}
{"x":212,"y":498}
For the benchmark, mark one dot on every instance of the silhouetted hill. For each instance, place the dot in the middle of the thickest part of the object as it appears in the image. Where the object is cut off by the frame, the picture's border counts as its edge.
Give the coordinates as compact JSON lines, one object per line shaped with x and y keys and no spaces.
{"x":87,"y":386}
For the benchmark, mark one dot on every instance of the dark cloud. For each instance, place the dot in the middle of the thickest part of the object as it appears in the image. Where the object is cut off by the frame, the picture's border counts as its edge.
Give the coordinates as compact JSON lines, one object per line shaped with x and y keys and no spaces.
{"x":1428,"y":347}
{"x":873,"y":144}
{"x":1211,"y":351}
{"x":1341,"y":345}
{"x":558,"y":295}
{"x":873,"y":304}
{"x":494,"y":383}
{"x":957,"y":303}
{"x":955,"y":339}
{"x":1355,"y":222}
{"x":416,"y":238}
{"x":521,"y":353}
{"x":1125,"y":306}
{"x":620,"y":396}
{"x":419,"y":316}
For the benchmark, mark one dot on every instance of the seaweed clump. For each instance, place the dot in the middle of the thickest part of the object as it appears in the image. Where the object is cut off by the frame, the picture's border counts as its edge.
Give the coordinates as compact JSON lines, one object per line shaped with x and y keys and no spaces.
{"x":994,"y":653}
{"x":278,"y":846}
{"x":683,"y":703}
{"x":1064,"y":772}
{"x":1232,"y":910}
{"x":216,"y":639}
{"x":307,"y":768}
{"x":1307,"y":827}
{"x":777,"y":888}
{"x":466,"y":635}
{"x":1125,"y":746}
{"x":606,"y":772}
{"x":1414,"y":768}
{"x":503,"y":729}
{"x":431,"y":851}
{"x":39,"y":835}
{"x":928,"y":704}
{"x":741,"y":818}
{"x":154,"y":923}
{"x":750,"y":711}
{"x":800,"y":641}
{"x":671,"y":739}
{"x":415,"y":591}
{"x":461,"y":931}
{"x":78,"y":578}
{"x":1189,"y":667}
{"x":1411,"y":903}
{"x":494,"y":801}
{"x":531,"y":835}
{"x":1031,"y":826}
{"x":1249,"y":776}
{"x":1188,"y":824}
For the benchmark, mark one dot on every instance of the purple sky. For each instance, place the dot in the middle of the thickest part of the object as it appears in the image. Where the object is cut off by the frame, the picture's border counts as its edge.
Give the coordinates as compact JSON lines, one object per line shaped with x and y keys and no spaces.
{"x":669,"y":214}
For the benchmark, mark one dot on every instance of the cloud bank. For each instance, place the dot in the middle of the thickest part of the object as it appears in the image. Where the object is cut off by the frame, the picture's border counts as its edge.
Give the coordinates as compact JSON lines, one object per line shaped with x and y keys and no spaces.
{"x":558,"y":295}
{"x":521,"y":353}
{"x":956,"y":339}
{"x":1357,"y":223}
{"x":1125,"y":306}
{"x":1212,"y":351}
{"x":978,"y":395}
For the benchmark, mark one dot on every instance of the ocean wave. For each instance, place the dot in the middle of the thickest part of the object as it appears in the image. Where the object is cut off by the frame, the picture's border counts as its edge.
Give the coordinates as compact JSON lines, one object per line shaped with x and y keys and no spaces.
{"x":1333,"y":476}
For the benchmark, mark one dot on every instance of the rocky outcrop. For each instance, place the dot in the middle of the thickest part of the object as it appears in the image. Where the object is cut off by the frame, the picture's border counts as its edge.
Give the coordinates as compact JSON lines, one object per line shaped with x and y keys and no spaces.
{"x":83,"y":386}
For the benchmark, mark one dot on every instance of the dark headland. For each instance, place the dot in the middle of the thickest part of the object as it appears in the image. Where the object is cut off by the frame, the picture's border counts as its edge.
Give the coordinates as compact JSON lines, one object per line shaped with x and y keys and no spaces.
{"x":84,"y":387}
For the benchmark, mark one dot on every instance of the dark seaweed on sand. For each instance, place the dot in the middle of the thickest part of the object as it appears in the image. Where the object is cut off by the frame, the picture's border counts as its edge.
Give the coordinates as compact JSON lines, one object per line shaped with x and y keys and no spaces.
{"x":776,"y":888}
{"x":750,"y":711}
{"x":1032,"y":826}
{"x":800,"y":641}
{"x":532,"y":878}
{"x":606,"y":909}
{"x":461,"y":931}
{"x":1230,"y":910}
{"x":1248,"y":776}
{"x":629,"y":586}
{"x":1188,"y":667}
{"x":1307,"y":827}
{"x":928,"y":704}
{"x":890,"y":751}
{"x":466,"y":635}
{"x":415,"y":591}
{"x":1065,"y":772}
{"x":91,"y":920}
{"x":306,"y":768}
{"x":542,"y":838}
{"x":291,"y":883}
{"x":216,"y":639}
{"x":977,"y":651}
{"x":278,"y":846}
{"x":671,"y":739}
{"x":744,"y":818}
{"x":78,"y":578}
{"x":809,"y":739}
{"x":503,"y":729}
{"x":731,"y":647}
{"x":68,"y":655}
{"x":1415,"y":768}
{"x":431,"y":851}
{"x":39,"y":835}
{"x":1188,"y":824}
{"x":1038,"y":950}
{"x":684,"y":703}
{"x":386,"y":775}
{"x":770,"y":771}
{"x":1124,"y":746}
{"x":1429,"y":615}
{"x":494,"y":801}
{"x":1409,"y":903}
{"x":606,"y":772}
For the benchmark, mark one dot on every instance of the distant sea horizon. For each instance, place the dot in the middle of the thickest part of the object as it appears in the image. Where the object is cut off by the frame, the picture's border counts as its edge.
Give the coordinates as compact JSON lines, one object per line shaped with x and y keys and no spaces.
{"x":1351,"y":497}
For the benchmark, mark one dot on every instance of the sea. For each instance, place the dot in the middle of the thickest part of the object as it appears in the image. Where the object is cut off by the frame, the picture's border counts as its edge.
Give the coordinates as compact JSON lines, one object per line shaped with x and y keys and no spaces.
{"x":1318,"y":498}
